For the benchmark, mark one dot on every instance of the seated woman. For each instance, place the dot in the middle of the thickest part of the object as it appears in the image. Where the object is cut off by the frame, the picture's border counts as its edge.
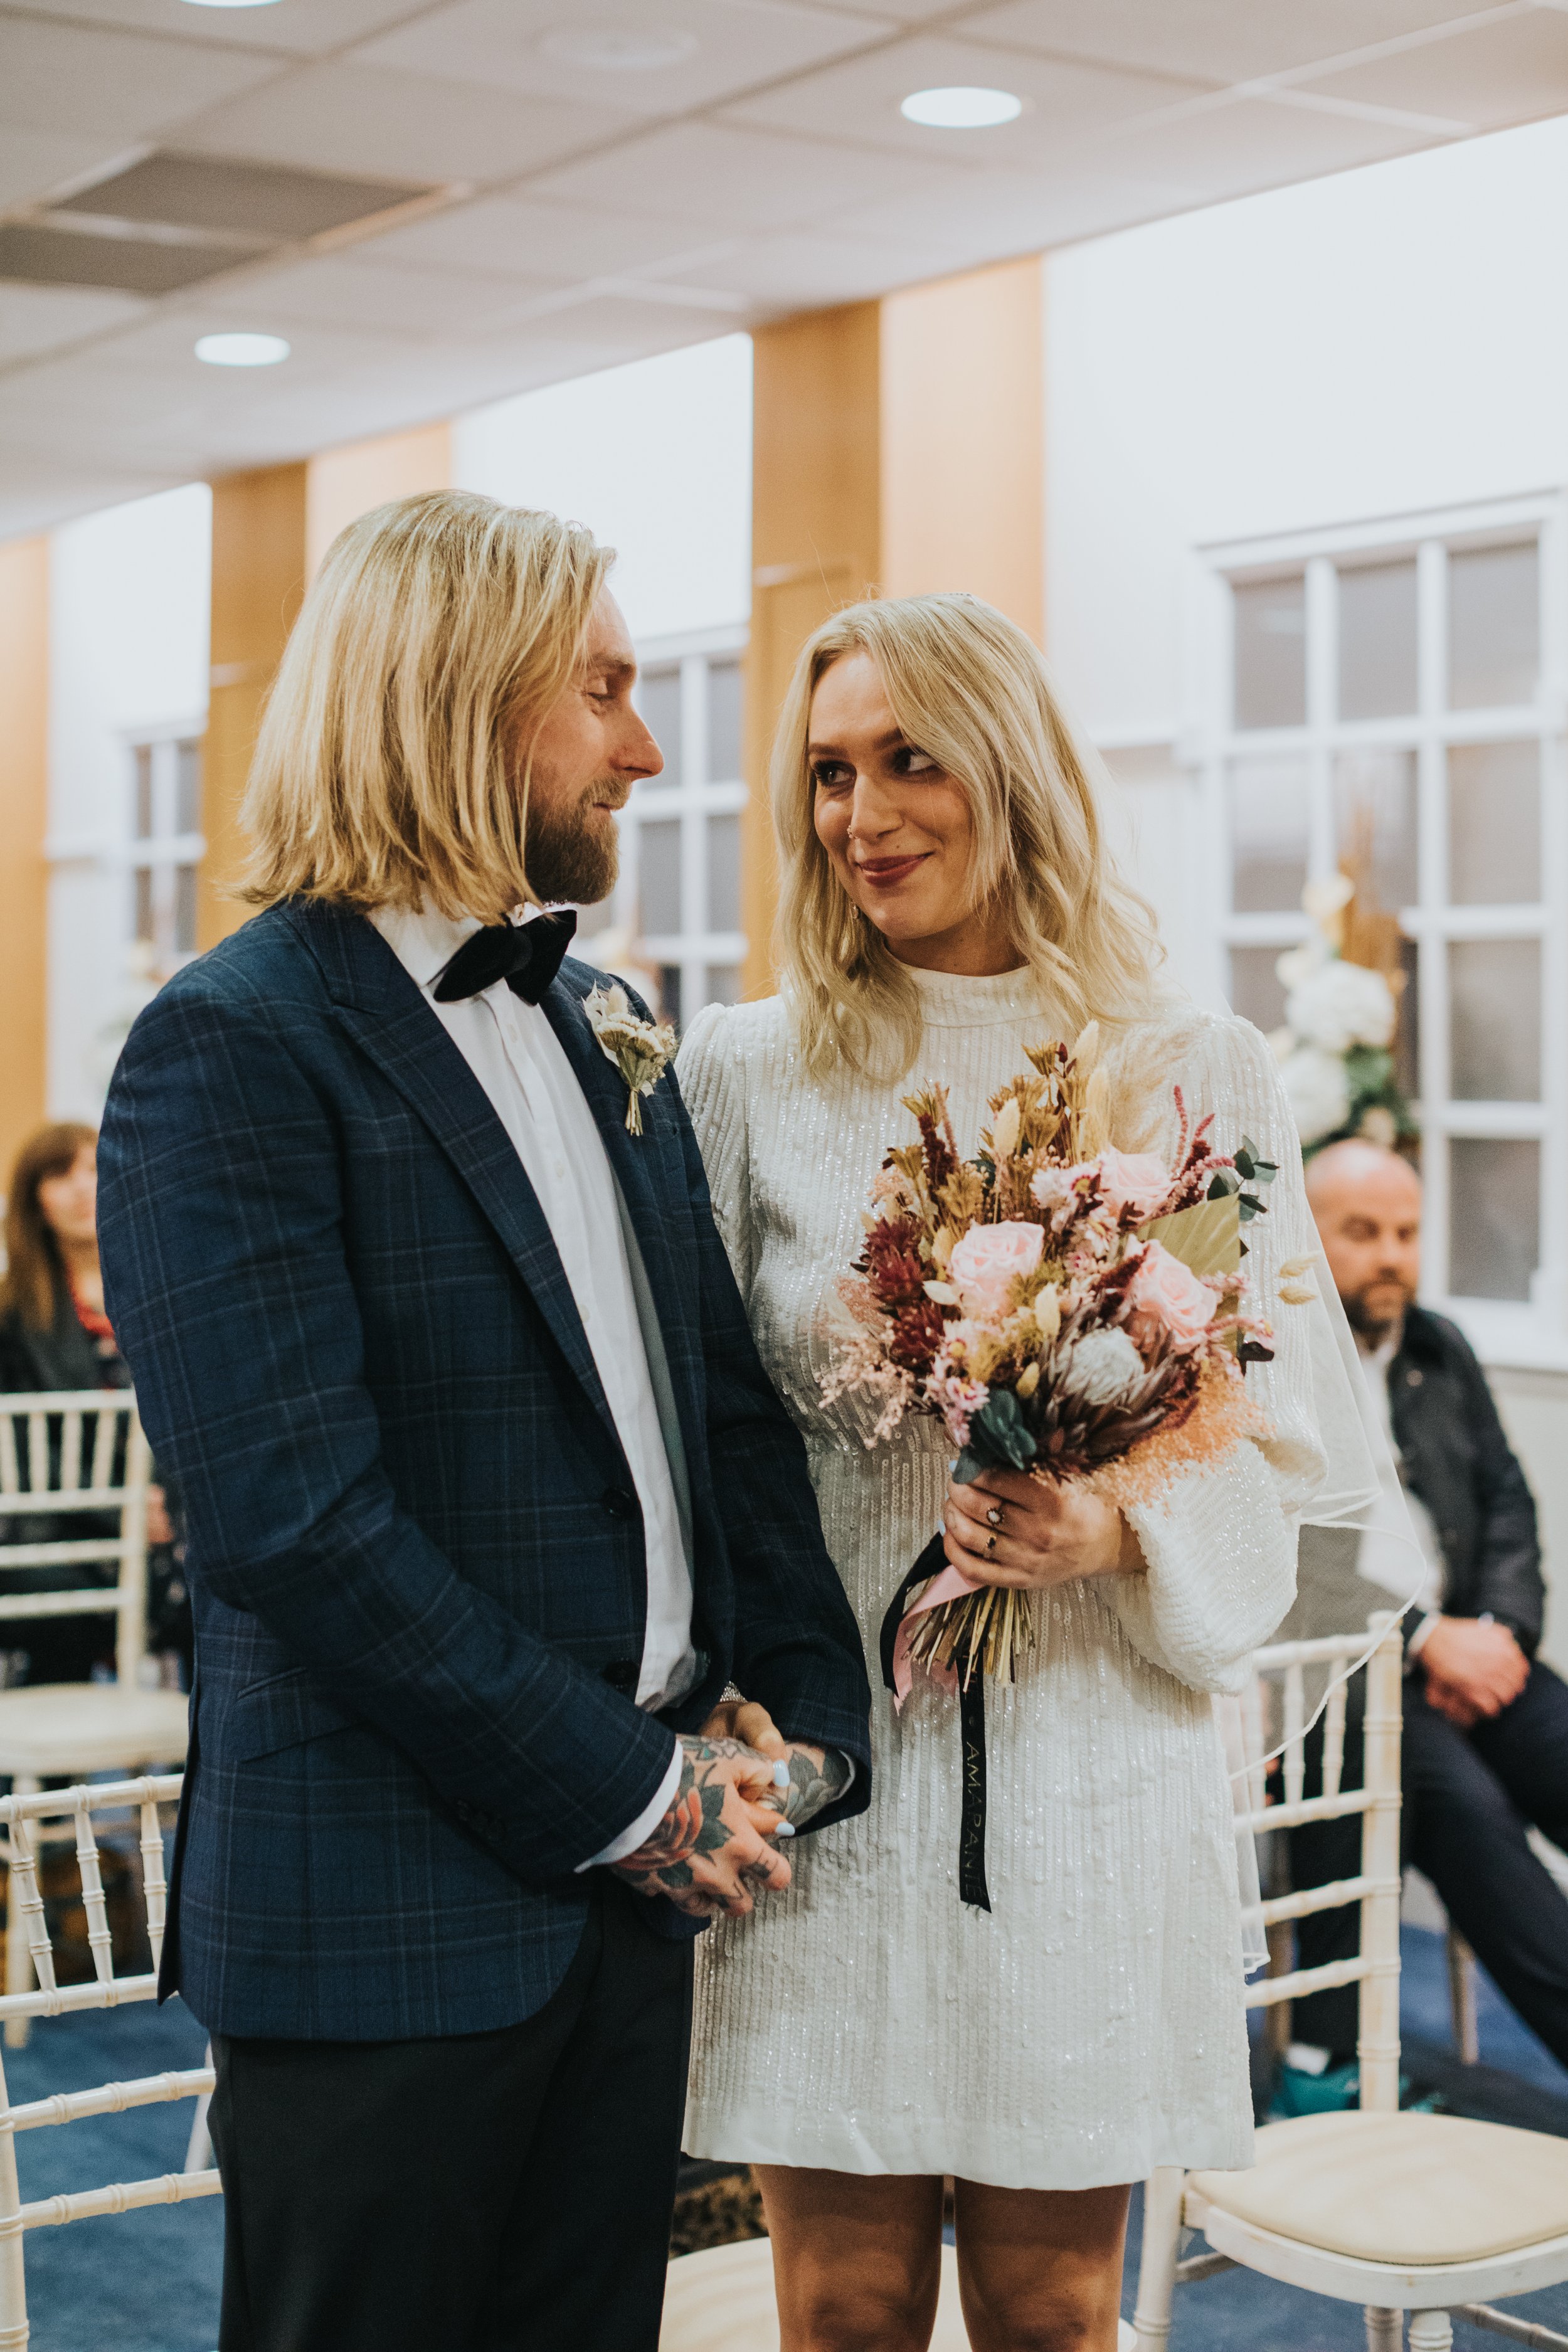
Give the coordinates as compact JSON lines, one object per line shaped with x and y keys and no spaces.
{"x":54,"y":1334}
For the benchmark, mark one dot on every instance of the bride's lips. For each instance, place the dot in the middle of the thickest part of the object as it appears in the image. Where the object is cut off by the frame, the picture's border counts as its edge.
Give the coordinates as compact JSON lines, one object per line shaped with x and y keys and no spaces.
{"x":886,"y":870}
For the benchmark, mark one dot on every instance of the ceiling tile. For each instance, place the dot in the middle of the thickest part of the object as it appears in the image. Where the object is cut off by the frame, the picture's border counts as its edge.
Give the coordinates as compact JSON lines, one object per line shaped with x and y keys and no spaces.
{"x":1245,"y":143}
{"x":91,"y":84}
{"x":859,"y":101}
{"x":353,"y":290}
{"x":302,"y":27}
{"x":37,"y":163}
{"x":1002,"y":213}
{"x":807,"y":273}
{"x":725,"y":179}
{"x":35,"y":319}
{"x":352,"y":118}
{"x":1513,"y":71}
{"x":506,"y":235}
{"x":1222,"y":40}
{"x":721,"y":48}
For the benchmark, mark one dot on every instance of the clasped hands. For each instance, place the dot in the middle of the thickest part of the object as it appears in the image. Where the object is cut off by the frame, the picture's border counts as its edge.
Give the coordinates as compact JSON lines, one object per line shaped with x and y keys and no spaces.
{"x":743,"y":1786}
{"x":1472,"y":1669}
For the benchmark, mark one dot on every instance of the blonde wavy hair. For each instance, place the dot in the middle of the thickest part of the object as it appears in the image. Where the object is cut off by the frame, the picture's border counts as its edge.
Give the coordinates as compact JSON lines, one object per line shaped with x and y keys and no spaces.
{"x":384,"y":769}
{"x":969,"y":688}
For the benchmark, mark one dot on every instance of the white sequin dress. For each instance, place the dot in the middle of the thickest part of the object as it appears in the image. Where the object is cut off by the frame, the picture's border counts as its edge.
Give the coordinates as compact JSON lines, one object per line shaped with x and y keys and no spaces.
{"x":1091,"y":2026}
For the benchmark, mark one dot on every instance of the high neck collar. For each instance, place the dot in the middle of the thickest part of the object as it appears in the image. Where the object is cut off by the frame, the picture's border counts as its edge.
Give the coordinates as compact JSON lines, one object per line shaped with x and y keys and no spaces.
{"x":953,"y":1000}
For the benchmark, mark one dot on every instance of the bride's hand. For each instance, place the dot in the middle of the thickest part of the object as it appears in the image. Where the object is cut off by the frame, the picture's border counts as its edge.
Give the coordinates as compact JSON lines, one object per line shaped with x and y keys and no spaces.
{"x":1009,"y":1529}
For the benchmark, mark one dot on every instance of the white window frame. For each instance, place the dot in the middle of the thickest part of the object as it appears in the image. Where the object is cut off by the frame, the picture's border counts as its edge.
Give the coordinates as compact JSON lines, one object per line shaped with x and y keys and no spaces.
{"x":1536,"y":1333}
{"x":691,"y":796}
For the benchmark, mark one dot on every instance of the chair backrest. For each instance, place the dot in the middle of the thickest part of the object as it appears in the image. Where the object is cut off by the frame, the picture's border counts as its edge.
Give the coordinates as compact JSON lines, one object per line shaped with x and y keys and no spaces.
{"x":64,"y":1452}
{"x":1376,"y":1886}
{"x":112,"y":1805}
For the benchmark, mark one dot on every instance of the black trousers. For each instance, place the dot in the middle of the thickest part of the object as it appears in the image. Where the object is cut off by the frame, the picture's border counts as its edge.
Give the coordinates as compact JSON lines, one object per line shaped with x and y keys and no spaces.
{"x":1469,"y":1797}
{"x":491,"y":2192}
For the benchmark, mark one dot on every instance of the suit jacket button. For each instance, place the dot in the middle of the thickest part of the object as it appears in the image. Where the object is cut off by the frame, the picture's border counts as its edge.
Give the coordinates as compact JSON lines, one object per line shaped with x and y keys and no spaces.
{"x":621,"y":1674}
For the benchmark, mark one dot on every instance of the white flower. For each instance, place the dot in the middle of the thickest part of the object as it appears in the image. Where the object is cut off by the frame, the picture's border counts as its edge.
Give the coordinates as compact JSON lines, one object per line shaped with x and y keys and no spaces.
{"x":1316,"y":1088}
{"x":1379,"y":1124}
{"x":1297,"y":964}
{"x":1342,"y":1005}
{"x":1103,"y":1367}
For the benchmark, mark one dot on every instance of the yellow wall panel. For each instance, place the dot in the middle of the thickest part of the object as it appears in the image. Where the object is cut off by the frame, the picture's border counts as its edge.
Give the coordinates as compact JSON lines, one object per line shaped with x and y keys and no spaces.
{"x":23,"y":817}
{"x":343,"y":483}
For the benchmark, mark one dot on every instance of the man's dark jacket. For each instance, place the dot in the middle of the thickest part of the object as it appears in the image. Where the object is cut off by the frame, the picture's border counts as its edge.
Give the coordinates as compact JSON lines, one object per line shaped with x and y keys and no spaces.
{"x":1455,"y":1458}
{"x":414,"y":1546}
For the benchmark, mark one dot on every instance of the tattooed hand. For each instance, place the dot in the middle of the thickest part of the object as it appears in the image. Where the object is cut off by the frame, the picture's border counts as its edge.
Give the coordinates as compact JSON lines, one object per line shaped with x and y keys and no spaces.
{"x":712,"y":1847}
{"x":817,"y":1776}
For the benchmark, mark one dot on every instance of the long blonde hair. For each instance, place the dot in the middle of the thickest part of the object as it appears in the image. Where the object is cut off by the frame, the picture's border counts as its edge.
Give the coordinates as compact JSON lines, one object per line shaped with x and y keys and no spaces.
{"x":380,"y":778}
{"x":968,"y":686}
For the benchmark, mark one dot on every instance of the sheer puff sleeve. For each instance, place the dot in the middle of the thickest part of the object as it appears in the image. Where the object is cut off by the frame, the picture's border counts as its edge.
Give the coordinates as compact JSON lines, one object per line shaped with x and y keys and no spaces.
{"x":1220,"y":1544}
{"x":713,"y":1087}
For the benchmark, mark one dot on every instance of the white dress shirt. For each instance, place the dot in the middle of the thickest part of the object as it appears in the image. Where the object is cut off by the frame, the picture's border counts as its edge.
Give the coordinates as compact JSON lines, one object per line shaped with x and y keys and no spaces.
{"x":518,"y":1059}
{"x":1386,"y":1556}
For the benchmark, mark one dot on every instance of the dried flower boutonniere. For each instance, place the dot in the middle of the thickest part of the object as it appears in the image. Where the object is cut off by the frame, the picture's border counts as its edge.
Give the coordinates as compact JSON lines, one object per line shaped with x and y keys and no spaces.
{"x":640,"y":1050}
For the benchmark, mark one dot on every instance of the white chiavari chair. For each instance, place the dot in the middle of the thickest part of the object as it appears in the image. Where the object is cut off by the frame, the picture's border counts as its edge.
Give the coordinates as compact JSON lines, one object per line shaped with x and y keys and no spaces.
{"x":23,"y":1817}
{"x":721,"y":2300}
{"x":63,"y":1453}
{"x":1418,"y":2213}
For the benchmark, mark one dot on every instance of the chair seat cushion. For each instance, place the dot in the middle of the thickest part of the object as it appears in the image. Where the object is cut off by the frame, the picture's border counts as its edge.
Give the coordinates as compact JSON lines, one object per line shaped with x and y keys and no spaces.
{"x":1400,"y":2188}
{"x":48,"y":1729}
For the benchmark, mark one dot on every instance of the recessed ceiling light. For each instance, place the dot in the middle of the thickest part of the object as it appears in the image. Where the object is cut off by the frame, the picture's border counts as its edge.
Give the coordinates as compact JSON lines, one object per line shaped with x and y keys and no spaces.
{"x":617,"y":49}
{"x":242,"y":350}
{"x":961,"y":108}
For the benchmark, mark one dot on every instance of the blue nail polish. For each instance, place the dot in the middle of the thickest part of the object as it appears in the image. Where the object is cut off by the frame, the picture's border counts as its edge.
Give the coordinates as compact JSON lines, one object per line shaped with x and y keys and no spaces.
{"x":785,"y":1829}
{"x":781,"y":1774}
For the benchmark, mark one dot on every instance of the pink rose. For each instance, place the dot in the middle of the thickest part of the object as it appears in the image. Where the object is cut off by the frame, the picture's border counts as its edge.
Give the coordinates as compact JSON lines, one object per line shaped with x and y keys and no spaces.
{"x":1165,"y":1295}
{"x":988,"y":1261}
{"x":1139,"y":1180}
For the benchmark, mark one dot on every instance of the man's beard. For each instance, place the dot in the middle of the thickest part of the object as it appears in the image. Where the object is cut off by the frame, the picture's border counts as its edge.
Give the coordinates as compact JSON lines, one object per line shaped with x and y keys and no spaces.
{"x":1376,"y":1327}
{"x":569,"y":863}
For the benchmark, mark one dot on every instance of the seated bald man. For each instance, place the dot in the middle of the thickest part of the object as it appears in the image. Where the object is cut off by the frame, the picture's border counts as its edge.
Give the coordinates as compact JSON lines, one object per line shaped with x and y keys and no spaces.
{"x":1486,"y":1724}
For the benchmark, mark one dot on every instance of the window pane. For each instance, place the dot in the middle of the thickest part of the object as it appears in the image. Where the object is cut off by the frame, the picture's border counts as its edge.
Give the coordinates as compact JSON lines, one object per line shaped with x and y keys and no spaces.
{"x":1268,"y":818}
{"x":1494,"y":1217}
{"x":1377,"y":641}
{"x":143,"y":797}
{"x":1494,"y":823}
{"x":185,"y":911}
{"x":723,"y":984}
{"x":1375,"y":816}
{"x":1257,"y":991}
{"x":187,"y":787}
{"x":659,"y":864}
{"x":592,"y":919}
{"x":1271,"y":651}
{"x":1407,"y":1036}
{"x":144,"y":919}
{"x":1494,"y":629}
{"x":723,"y":874}
{"x":1494,"y":1011}
{"x":669,"y":993}
{"x":724,"y":722}
{"x":658,"y":699}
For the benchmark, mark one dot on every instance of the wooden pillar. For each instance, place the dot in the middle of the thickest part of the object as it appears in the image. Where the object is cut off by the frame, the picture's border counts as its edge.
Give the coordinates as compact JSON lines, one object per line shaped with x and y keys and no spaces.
{"x":257,"y":581}
{"x":898,"y":447}
{"x":343,"y":483}
{"x":23,"y":817}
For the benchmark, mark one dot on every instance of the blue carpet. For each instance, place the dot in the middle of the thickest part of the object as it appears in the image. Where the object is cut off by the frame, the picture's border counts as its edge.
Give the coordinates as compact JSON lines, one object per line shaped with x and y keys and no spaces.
{"x":148,"y":2282}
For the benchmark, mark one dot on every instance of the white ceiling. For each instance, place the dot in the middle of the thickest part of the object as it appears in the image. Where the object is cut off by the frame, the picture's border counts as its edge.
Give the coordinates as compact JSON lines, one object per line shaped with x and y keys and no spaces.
{"x":596,"y":212}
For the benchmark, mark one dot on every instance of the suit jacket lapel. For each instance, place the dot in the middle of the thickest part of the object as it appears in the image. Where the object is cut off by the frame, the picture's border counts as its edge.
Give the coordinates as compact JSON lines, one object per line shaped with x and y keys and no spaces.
{"x":633,"y":1159}
{"x":388,"y":1019}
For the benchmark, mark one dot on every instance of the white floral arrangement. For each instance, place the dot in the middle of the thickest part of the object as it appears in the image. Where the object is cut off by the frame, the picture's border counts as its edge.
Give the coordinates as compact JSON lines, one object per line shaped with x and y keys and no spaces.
{"x":1335,"y":1050}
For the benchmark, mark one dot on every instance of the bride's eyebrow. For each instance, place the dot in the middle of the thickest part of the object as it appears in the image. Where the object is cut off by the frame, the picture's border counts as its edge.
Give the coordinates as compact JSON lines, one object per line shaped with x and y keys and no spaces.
{"x":895,"y":740}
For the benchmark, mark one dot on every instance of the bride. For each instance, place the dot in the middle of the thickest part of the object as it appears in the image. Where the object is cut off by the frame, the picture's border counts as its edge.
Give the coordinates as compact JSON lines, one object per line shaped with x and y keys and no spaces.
{"x":946,"y":900}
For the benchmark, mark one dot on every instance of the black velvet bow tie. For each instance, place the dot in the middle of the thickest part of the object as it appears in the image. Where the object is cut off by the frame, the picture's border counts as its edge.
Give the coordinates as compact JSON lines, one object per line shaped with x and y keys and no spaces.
{"x":527,"y":956}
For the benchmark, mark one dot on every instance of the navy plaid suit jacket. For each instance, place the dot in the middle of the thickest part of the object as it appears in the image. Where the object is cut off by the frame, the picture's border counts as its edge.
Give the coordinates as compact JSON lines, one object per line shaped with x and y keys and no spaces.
{"x":415,"y":1550}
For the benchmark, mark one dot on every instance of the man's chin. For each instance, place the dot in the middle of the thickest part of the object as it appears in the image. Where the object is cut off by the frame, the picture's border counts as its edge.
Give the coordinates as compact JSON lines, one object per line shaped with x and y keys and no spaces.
{"x":1375,"y":1314}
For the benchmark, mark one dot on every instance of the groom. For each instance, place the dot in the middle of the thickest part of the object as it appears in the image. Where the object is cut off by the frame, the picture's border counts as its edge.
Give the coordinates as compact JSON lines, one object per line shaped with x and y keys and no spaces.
{"x":489,"y":1496}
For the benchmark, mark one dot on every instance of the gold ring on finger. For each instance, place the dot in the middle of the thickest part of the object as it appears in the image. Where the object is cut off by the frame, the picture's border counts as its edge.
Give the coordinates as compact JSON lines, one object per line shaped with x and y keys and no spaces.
{"x":993,"y":1516}
{"x":990,"y":1547}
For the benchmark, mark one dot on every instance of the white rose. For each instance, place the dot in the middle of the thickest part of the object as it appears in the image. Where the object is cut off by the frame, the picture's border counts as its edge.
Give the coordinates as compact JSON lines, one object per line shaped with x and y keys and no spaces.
{"x":1316,"y":1088}
{"x":1342,"y":1005}
{"x":1103,"y":1367}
